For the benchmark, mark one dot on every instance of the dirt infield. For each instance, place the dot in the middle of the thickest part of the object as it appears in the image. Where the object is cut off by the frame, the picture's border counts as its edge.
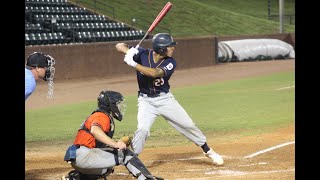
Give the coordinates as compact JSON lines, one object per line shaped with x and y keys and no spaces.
{"x":265,"y":156}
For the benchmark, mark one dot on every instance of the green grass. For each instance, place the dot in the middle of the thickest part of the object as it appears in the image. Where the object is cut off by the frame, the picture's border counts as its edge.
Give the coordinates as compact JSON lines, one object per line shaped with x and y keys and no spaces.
{"x":246,"y":104}
{"x":202,"y":17}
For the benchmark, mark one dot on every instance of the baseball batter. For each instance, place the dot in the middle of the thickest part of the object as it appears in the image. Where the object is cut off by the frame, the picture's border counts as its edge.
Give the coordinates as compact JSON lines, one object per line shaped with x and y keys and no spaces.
{"x":154,"y":68}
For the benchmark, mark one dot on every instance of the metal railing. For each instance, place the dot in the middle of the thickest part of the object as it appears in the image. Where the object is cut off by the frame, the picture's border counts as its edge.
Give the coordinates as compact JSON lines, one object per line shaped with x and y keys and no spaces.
{"x":288,"y":18}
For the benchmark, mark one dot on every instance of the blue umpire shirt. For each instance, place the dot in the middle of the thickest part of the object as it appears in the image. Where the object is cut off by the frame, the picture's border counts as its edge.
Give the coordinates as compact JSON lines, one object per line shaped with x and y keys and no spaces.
{"x":30,"y":83}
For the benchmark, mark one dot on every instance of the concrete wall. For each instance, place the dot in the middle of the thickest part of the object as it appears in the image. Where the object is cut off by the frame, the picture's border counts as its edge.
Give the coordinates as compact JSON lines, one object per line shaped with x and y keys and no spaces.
{"x":100,"y":60}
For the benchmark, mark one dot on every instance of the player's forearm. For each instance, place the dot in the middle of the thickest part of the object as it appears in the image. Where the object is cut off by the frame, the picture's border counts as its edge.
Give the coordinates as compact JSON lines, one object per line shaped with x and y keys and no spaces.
{"x":150,"y":72}
{"x":101,"y":136}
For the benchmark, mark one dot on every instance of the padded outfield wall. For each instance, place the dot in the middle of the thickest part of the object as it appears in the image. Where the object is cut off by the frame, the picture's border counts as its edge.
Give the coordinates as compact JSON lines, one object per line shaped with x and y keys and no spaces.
{"x":98,"y":60}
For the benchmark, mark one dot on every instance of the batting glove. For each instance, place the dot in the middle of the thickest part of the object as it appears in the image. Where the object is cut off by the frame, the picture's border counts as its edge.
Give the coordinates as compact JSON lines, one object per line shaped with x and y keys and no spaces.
{"x":132,"y":51}
{"x":129,"y":60}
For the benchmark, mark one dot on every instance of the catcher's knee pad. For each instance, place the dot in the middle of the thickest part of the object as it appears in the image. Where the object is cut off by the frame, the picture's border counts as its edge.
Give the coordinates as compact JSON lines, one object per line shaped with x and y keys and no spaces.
{"x":139,"y":167}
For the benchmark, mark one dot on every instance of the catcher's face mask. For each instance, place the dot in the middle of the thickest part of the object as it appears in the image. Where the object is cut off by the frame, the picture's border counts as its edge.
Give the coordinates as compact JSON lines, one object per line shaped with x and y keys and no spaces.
{"x":118,"y":109}
{"x":122,"y":107}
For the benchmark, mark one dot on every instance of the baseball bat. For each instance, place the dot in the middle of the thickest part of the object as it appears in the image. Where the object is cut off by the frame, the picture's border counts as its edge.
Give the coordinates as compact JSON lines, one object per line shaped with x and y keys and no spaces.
{"x":156,"y":21}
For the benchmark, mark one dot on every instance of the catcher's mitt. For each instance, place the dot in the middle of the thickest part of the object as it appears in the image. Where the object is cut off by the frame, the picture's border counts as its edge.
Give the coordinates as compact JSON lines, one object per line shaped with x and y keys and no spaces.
{"x":126,"y":140}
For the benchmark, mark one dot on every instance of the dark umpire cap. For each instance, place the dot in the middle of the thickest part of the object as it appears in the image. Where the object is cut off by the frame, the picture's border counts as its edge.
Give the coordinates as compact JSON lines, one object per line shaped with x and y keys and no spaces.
{"x":37,"y":59}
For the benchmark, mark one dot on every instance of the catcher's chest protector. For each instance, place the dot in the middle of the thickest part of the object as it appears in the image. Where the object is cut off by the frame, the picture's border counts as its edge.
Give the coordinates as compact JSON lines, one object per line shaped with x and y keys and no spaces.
{"x":109,"y":133}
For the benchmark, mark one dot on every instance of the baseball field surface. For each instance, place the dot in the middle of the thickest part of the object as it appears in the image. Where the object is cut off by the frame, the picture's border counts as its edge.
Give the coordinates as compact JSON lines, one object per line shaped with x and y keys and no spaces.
{"x":266,"y":155}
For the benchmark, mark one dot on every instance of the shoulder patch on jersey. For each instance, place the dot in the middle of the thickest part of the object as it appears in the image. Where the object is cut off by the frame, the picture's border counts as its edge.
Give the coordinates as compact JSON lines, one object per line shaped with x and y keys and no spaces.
{"x":169,"y":66}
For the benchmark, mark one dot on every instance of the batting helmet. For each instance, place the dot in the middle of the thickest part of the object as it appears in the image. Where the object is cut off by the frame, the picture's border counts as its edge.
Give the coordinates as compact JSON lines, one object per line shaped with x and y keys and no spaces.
{"x":113,"y":102}
{"x":161,"y":41}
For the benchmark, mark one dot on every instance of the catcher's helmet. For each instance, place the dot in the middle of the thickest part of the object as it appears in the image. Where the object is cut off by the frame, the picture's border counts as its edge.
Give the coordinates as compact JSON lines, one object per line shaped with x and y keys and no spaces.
{"x":38,"y":59}
{"x":161,"y":41}
{"x":113,"y":102}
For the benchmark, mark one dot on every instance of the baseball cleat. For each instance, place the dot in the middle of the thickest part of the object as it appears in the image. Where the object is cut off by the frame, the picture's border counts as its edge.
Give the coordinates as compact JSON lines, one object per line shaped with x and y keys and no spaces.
{"x":216,"y":158}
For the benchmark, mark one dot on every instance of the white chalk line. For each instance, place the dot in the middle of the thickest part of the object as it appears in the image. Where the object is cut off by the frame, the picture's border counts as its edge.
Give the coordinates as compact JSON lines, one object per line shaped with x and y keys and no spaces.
{"x":187,"y":159}
{"x":269,"y":149}
{"x":288,"y":87}
{"x":260,"y":163}
{"x":122,"y":174}
{"x":236,"y":173}
{"x":181,"y":159}
{"x":249,"y":156}
{"x":226,"y":172}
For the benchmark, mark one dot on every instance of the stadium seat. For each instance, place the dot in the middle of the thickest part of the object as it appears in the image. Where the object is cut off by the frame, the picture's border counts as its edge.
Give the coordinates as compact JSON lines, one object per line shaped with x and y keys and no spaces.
{"x":71,"y":21}
{"x":54,"y":38}
{"x":32,"y":39}
{"x":44,"y":38}
{"x":26,"y":39}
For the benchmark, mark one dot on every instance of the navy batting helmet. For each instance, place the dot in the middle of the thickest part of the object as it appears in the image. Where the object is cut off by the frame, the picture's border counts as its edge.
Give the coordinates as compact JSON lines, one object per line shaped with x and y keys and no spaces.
{"x":113,"y":102}
{"x":161,"y":41}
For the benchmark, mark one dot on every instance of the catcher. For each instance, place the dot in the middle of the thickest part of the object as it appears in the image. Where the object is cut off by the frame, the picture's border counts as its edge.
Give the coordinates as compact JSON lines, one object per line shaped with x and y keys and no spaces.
{"x":94,"y":153}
